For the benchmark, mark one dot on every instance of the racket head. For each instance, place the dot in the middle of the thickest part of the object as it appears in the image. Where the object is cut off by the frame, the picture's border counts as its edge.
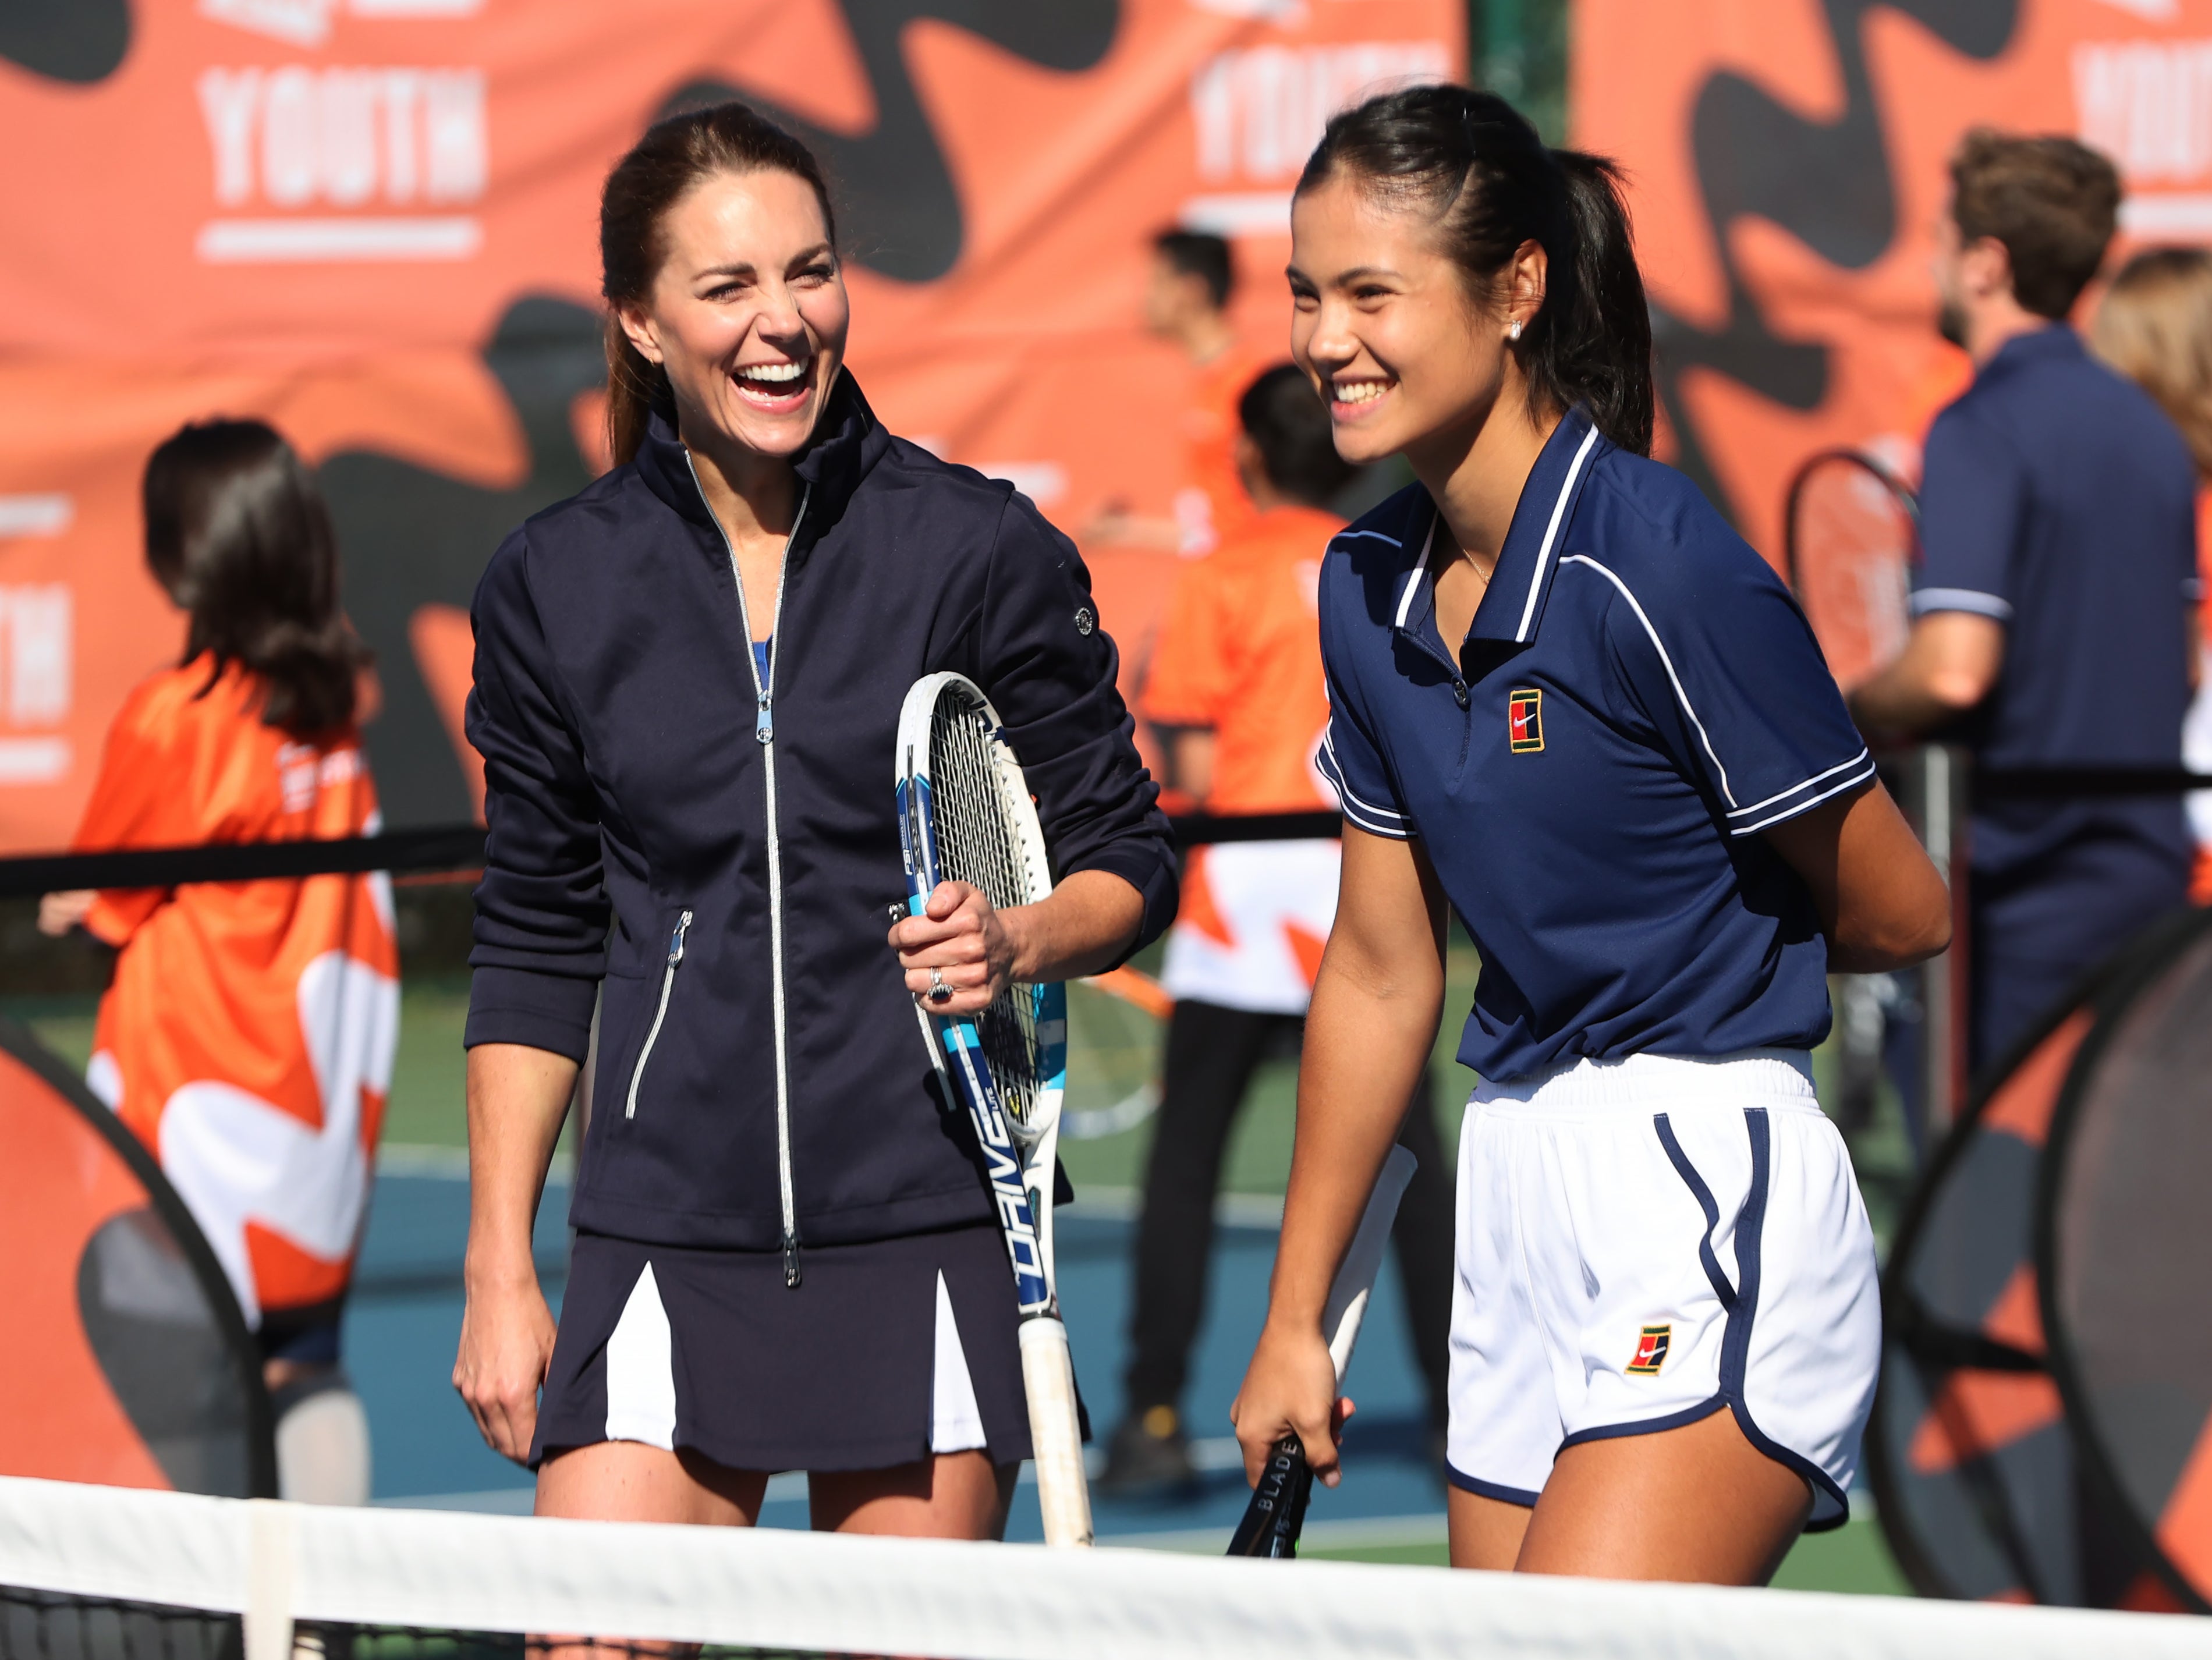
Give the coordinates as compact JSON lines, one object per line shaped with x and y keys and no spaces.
{"x":1851,"y":545}
{"x":965,"y":815}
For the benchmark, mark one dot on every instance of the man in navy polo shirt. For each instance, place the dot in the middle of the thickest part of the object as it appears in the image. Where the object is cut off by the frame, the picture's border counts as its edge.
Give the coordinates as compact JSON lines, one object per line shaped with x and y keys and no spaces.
{"x":2059,"y":533}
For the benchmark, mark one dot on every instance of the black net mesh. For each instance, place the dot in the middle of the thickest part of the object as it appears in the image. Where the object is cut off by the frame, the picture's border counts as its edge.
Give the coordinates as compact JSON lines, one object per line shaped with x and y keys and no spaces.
{"x":972,"y":811}
{"x":2129,"y":1247}
{"x":1972,"y":1465}
{"x":127,"y":1361}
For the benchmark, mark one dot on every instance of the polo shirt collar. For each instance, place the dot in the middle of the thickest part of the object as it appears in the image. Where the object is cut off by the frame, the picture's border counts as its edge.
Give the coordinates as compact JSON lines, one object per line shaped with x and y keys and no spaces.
{"x":1514,"y":603}
{"x":2054,"y":344}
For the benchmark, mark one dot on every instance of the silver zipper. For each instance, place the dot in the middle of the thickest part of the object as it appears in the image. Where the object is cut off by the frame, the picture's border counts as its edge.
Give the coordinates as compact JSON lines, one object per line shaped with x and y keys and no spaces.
{"x":764,"y":733}
{"x":652,"y":1033}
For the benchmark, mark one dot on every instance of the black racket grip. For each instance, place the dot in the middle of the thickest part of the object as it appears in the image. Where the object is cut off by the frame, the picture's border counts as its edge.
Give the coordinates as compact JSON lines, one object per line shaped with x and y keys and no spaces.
{"x":1278,"y":1509}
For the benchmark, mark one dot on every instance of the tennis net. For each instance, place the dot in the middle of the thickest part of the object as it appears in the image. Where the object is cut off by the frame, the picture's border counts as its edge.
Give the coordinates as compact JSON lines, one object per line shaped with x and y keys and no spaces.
{"x":91,"y":1572}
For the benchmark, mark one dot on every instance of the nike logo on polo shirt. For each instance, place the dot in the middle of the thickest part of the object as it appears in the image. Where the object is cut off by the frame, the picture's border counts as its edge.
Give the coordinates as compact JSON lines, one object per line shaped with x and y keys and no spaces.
{"x":1524,"y":720}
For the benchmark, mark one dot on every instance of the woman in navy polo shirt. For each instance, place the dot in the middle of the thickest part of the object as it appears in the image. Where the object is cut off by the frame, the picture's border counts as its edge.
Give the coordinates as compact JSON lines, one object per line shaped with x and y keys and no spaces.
{"x":1570,"y":703}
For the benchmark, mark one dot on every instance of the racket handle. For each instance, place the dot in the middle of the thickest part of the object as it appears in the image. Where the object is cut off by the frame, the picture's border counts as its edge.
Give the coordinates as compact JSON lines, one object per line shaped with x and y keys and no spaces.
{"x":1278,"y":1506}
{"x":1055,"y":1432}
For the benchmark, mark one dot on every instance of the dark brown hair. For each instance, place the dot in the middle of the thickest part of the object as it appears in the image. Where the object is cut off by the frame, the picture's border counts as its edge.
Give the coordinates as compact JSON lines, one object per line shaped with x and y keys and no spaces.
{"x":238,"y":533}
{"x":1201,"y":254}
{"x":663,"y":167}
{"x":1475,"y":164}
{"x":1289,"y":425}
{"x":2053,"y":202}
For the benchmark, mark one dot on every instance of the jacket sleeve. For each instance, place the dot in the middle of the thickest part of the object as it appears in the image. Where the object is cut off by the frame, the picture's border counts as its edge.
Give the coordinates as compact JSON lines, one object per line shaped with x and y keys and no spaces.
{"x":1050,"y":669}
{"x":541,"y":922}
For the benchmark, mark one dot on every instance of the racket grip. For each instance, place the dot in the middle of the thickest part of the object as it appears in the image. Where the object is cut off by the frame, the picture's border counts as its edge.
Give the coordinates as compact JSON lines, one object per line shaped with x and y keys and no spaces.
{"x":1278,"y":1506}
{"x":1055,"y":1432}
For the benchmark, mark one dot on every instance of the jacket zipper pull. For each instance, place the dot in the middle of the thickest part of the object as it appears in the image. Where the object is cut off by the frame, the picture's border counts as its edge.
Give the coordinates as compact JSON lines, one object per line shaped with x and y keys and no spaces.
{"x":676,"y":939}
{"x":791,"y":1276}
{"x":763,"y":722}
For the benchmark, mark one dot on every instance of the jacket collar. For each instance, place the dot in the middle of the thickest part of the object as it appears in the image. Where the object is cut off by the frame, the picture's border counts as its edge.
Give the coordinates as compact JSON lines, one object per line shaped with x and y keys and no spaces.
{"x":1513,"y":605}
{"x":847,"y":441}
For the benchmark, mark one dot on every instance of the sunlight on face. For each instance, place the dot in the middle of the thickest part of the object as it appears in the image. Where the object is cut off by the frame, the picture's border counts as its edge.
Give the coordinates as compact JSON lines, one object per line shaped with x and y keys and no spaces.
{"x":1383,"y":324}
{"x":749,"y":312}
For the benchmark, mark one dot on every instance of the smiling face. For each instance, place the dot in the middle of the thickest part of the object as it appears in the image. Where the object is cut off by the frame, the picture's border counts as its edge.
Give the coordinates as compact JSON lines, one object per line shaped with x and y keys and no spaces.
{"x":748,"y":314}
{"x":1408,"y":359}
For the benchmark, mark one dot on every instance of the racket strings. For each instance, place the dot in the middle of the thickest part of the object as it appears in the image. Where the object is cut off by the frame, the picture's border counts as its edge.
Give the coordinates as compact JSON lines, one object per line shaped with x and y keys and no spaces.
{"x":1853,"y":545}
{"x":975,"y":844}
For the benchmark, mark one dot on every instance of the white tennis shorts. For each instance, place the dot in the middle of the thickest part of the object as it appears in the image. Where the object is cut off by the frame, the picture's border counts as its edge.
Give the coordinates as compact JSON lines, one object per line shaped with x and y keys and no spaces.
{"x":1644,"y":1242}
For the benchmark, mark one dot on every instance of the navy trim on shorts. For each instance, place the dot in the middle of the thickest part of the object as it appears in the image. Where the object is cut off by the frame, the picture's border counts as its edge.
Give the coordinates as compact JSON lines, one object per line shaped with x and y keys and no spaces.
{"x":1735,"y":1350}
{"x":1482,"y":1489}
{"x":1704,"y":1196}
{"x":1672,"y":1420}
{"x":1740,"y":1306}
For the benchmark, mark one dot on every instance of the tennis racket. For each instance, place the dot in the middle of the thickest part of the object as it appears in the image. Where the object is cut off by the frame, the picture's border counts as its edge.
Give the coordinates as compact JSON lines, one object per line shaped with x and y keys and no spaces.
{"x":1852,"y":540}
{"x":1277,"y":1507}
{"x":965,"y":815}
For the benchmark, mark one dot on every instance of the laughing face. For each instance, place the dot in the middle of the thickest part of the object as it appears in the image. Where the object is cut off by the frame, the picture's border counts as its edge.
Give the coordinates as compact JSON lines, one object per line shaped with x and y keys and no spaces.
{"x":1406,"y":359}
{"x":748,"y":314}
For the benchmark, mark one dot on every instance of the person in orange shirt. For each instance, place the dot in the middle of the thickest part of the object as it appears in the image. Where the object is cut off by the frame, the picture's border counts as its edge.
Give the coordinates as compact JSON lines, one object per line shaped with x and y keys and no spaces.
{"x":1186,"y":304}
{"x":1236,"y":685}
{"x":247,"y":1036}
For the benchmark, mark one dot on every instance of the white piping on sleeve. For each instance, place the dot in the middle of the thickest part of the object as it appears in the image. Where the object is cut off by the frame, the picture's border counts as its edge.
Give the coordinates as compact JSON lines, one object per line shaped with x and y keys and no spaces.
{"x":1552,"y":533}
{"x":1780,"y":795}
{"x":1792,"y":810}
{"x":1351,"y":535}
{"x":1683,"y":697}
{"x":1379,"y":821}
{"x":1982,"y":605}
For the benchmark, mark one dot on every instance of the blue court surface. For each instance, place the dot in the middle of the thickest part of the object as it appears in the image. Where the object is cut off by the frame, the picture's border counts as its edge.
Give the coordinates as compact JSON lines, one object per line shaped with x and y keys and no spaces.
{"x":403,"y":1320}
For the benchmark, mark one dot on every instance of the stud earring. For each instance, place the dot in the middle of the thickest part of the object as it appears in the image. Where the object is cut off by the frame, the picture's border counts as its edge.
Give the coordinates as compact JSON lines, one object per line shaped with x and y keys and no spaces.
{"x":1513,"y":330}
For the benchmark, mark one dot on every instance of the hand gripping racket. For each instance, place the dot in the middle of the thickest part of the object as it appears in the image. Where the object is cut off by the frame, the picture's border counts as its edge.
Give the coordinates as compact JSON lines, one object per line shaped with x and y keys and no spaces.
{"x":965,"y":815}
{"x":1853,"y":541}
{"x":1278,"y":1508}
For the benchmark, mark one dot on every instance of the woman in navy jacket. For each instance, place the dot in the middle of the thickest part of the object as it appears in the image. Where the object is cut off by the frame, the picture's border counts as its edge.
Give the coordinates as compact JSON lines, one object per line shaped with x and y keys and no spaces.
{"x":688,"y":681}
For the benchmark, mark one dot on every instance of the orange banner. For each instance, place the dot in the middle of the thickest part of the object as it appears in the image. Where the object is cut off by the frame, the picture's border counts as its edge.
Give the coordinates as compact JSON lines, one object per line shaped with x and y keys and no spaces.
{"x":373,"y":222}
{"x":1788,"y":165}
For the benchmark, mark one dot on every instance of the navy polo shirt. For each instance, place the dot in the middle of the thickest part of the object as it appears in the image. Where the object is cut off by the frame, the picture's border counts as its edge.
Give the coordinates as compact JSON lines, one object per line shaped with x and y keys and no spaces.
{"x":1639,"y":696}
{"x":2059,"y":501}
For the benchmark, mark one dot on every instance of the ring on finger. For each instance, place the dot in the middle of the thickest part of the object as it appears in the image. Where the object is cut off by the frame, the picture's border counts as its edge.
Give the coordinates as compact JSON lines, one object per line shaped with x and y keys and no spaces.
{"x":939,"y":991}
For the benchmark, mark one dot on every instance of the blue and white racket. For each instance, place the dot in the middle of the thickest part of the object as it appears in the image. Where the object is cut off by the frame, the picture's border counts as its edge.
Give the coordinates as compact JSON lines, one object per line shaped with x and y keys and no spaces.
{"x":965,"y":815}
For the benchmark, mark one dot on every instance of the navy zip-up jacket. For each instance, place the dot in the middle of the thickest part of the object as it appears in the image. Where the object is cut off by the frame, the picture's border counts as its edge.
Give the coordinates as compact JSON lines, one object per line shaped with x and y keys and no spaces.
{"x":627,"y":784}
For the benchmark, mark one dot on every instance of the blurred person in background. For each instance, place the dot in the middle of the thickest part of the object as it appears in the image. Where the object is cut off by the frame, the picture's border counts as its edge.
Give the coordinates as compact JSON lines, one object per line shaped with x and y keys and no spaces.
{"x":1186,"y":290}
{"x":2155,"y":325}
{"x":2057,"y":524}
{"x":248,"y":1034}
{"x":1236,"y":687}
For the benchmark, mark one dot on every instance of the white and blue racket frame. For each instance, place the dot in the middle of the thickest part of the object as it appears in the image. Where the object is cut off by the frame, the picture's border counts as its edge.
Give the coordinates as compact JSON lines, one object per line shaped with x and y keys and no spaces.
{"x":1020,"y":1156}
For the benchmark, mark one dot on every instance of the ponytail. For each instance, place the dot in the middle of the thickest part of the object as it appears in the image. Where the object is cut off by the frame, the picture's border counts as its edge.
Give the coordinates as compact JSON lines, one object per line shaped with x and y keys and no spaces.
{"x":661,"y":168}
{"x":1473,"y":162}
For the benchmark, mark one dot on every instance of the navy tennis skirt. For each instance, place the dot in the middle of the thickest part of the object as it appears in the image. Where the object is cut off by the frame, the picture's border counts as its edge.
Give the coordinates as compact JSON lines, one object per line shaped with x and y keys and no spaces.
{"x":884,"y":1352}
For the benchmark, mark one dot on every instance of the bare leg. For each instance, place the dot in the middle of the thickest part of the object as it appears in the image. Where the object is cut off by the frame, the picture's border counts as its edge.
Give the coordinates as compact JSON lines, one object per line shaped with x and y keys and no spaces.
{"x":1485,"y":1533}
{"x":1695,"y":1504}
{"x":629,"y":1481}
{"x":950,"y":1495}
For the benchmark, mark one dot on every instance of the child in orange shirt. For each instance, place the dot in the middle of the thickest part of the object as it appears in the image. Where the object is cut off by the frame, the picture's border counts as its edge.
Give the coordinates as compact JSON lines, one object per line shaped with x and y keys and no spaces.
{"x":1236,"y":687}
{"x":247,"y":1036}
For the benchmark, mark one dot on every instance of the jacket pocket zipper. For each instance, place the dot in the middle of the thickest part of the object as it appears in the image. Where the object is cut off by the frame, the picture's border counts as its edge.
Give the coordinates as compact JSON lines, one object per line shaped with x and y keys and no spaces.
{"x":652,"y":1035}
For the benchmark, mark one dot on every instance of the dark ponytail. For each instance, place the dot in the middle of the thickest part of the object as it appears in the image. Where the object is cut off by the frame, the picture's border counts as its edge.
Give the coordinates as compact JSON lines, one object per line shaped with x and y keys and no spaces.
{"x":1473,"y":160}
{"x":660,"y":169}
{"x":238,"y":533}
